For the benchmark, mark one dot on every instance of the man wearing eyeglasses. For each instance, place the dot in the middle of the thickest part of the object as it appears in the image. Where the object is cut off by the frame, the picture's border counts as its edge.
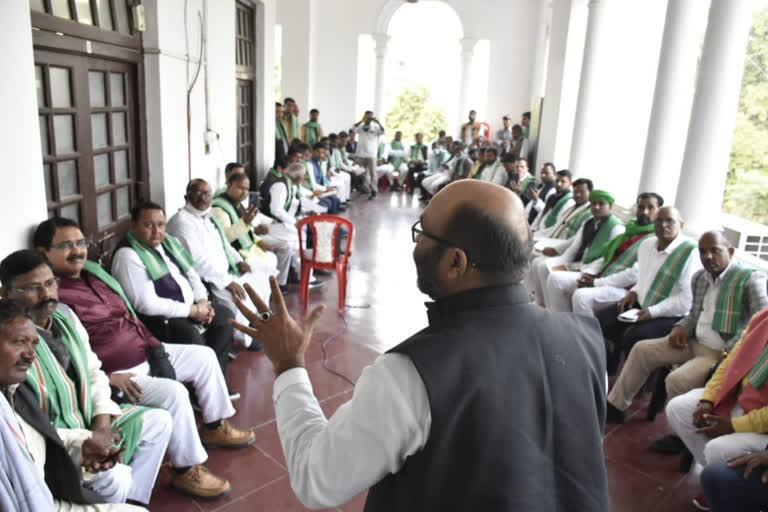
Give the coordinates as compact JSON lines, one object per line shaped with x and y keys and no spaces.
{"x":475,"y":412}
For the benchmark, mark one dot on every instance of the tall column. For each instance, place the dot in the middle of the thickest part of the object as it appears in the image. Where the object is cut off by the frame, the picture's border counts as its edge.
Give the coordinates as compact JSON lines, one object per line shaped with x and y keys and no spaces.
{"x":467,"y":54}
{"x":584,"y":143}
{"x":541,"y":54}
{"x":713,"y":117}
{"x":381,"y":41}
{"x":672,"y":97}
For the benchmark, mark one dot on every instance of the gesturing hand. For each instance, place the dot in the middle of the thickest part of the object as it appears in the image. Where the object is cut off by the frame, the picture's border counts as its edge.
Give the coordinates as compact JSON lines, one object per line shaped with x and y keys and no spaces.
{"x":284,"y":339}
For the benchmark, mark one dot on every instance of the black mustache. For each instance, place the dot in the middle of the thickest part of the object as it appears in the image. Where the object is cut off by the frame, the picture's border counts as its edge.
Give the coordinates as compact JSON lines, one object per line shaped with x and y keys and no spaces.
{"x":45,"y":303}
{"x":75,"y":258}
{"x":24,"y":362}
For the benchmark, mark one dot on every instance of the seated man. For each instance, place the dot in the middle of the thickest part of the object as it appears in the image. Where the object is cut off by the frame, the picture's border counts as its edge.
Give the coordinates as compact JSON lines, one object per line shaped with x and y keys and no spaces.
{"x":158,"y":276}
{"x":456,"y":169}
{"x":556,"y":203}
{"x":478,"y":160}
{"x":68,"y":383}
{"x":551,"y":241}
{"x":492,"y":169}
{"x":662,"y":294}
{"x":518,"y":145}
{"x":318,"y":181}
{"x":540,"y":194}
{"x":609,"y":282}
{"x":398,"y":159}
{"x":339,"y":179}
{"x":417,"y":161}
{"x":738,"y":484}
{"x":726,"y":295}
{"x":348,"y":165}
{"x":521,"y":180}
{"x":146,"y":371}
{"x":216,"y":261}
{"x":40,"y":471}
{"x":727,"y":417}
{"x":584,"y":251}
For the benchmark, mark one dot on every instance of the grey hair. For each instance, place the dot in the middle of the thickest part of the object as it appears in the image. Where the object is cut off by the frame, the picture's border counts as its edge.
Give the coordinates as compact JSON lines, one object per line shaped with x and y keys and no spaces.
{"x":296,"y":170}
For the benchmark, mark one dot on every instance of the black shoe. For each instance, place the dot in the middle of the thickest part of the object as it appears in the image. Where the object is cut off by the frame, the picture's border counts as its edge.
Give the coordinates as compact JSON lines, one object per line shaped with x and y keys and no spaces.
{"x":255,"y":346}
{"x":668,"y":445}
{"x":316,"y":284}
{"x":613,"y":415}
{"x":322,"y":272}
{"x":283,"y":288}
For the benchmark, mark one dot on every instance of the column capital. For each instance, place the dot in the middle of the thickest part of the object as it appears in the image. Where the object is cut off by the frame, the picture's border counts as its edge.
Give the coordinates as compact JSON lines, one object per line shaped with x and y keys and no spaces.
{"x":381,"y":40}
{"x":468,"y":46}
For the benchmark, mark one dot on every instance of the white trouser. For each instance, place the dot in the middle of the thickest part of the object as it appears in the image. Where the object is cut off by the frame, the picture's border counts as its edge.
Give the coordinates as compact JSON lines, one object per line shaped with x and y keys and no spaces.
{"x":559,"y":289}
{"x":385,"y":170}
{"x":64,"y":506}
{"x":258,"y":278}
{"x":197,"y":366}
{"x":434,"y":182}
{"x":343,"y":183}
{"x":402,"y":173}
{"x":286,"y":248}
{"x":705,"y":450}
{"x":537,"y":277}
{"x":586,"y":301}
{"x":154,"y":438}
{"x":114,"y":485}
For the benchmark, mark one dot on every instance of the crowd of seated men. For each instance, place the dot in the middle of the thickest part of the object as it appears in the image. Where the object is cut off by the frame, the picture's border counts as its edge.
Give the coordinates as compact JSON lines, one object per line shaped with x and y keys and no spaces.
{"x":665,"y":303}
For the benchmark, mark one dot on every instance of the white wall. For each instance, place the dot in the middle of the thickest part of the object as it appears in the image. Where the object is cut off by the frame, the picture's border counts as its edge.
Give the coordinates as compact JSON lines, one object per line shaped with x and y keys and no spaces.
{"x":295,"y":16}
{"x":22,"y":199}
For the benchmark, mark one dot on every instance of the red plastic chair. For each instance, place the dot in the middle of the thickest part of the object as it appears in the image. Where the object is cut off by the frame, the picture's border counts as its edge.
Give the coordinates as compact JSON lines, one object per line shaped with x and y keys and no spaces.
{"x":326,"y":230}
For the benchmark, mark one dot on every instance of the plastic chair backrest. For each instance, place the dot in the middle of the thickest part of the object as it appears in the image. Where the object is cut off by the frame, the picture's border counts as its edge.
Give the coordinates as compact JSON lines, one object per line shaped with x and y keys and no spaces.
{"x":326,"y":230}
{"x":487,"y":135}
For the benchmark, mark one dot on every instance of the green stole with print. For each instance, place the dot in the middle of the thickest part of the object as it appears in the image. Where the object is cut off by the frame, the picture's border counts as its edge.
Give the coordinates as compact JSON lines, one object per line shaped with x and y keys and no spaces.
{"x":571,"y":226}
{"x":668,"y":274}
{"x":396,"y":160}
{"x":416,"y":151}
{"x":154,"y":263}
{"x":602,"y":237}
{"x":222,"y":202}
{"x":625,"y":259}
{"x":226,"y":245}
{"x":311,"y":132}
{"x":102,"y":275}
{"x":551,"y":218}
{"x":70,"y":408}
{"x":727,"y":318}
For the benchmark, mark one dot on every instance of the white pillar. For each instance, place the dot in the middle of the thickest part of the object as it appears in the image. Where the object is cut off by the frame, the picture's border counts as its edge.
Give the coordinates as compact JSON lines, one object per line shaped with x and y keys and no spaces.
{"x":381,"y":41}
{"x":584,"y":144}
{"x":672,"y":97}
{"x":713,"y":117}
{"x":467,"y":54}
{"x":541,"y":54}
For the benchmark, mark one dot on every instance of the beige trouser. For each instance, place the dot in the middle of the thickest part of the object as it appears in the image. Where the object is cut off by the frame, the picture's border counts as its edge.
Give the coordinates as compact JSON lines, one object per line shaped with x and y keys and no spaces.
{"x":696,"y":360}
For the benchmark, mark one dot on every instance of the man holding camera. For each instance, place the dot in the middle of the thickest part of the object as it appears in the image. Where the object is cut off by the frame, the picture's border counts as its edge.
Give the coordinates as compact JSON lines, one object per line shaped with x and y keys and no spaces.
{"x":369,"y":129}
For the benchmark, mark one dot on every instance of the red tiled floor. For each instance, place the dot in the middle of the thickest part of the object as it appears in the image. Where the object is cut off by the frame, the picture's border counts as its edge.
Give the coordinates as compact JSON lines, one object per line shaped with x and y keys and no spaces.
{"x":384,"y":309}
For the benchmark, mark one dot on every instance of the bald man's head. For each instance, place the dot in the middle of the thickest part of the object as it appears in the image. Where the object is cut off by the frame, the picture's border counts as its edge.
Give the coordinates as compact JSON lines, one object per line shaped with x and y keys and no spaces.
{"x":474,"y":235}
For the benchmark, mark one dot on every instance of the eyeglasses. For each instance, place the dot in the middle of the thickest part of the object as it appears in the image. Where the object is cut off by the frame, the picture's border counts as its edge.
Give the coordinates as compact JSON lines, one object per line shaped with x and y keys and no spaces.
{"x":201,"y":193}
{"x":417,"y":232}
{"x":36,"y":289}
{"x":661,"y":222}
{"x":69,"y":245}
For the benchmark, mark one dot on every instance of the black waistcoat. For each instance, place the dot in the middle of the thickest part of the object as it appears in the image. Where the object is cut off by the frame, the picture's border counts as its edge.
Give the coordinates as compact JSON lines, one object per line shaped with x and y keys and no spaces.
{"x":517,"y":399}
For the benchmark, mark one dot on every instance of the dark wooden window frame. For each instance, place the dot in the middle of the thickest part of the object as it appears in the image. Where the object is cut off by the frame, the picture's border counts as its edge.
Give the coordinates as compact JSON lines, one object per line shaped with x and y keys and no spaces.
{"x":245,"y":70}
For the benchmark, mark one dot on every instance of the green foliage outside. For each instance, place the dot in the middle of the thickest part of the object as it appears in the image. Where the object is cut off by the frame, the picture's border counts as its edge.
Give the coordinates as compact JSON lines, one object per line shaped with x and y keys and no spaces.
{"x":412,"y":113}
{"x":746,"y":189}
{"x":278,"y":76}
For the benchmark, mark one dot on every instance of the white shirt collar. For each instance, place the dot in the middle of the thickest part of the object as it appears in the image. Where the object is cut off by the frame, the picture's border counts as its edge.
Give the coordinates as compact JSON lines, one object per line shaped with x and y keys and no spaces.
{"x":719,"y":278}
{"x":197,"y":213}
{"x":672,"y":245}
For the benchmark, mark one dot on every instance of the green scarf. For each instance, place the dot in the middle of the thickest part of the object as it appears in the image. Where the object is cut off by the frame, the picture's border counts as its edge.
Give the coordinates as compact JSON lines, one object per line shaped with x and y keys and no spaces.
{"x":479,"y":172}
{"x":571,"y":225}
{"x":311,"y":132}
{"x":380,"y":153}
{"x":230,"y":258}
{"x":396,"y":160}
{"x":632,"y":229}
{"x":524,"y":184}
{"x":154,"y":263}
{"x":334,"y":159}
{"x":102,"y":275}
{"x":727,"y":318}
{"x":625,"y":260}
{"x":70,"y":408}
{"x":416,"y":151}
{"x":245,"y":239}
{"x":309,"y":183}
{"x":668,"y":274}
{"x":551,"y":218}
{"x":294,"y":127}
{"x":602,"y":238}
{"x":458,"y":169}
{"x":280,"y":130}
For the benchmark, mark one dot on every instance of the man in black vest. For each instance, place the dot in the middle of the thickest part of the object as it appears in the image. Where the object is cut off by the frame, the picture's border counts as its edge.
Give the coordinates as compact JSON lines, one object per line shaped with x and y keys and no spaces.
{"x":498,"y":405}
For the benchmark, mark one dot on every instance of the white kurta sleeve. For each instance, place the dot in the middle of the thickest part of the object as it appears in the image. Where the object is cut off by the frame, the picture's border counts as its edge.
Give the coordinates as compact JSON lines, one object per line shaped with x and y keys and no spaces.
{"x":680,"y":298}
{"x":332,"y":460}
{"x":278,"y":196}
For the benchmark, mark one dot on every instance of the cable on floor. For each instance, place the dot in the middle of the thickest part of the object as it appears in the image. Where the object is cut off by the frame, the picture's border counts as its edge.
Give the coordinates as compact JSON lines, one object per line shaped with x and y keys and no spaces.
{"x":329,"y":339}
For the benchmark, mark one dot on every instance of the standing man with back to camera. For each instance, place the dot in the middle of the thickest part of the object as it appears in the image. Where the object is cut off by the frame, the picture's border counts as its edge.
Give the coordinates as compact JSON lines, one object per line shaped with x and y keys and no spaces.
{"x":431,"y":425}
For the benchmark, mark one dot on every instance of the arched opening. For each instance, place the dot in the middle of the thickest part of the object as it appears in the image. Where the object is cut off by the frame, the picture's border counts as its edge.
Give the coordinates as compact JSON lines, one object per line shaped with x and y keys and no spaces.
{"x":423,"y":66}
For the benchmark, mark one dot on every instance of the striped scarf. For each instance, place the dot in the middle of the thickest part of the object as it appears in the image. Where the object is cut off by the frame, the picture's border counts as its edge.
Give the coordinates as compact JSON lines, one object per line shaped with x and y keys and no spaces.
{"x":551,"y":218}
{"x":224,"y":243}
{"x":69,"y":407}
{"x":245,"y":239}
{"x":397,"y":161}
{"x":668,"y":274}
{"x":154,"y":263}
{"x":625,"y":260}
{"x":602,"y":237}
{"x":727,"y":318}
{"x":311,"y":132}
{"x":102,"y":275}
{"x":573,"y":222}
{"x":416,"y":152}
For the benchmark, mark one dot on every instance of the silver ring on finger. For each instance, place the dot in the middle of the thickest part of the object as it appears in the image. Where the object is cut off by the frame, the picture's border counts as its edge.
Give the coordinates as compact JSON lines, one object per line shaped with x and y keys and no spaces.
{"x":265,"y":316}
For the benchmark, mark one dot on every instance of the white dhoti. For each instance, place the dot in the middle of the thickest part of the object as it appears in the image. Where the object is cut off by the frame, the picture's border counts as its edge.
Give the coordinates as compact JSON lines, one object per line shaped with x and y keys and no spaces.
{"x":433,"y":183}
{"x":705,"y":450}
{"x":537,"y":277}
{"x":197,"y":366}
{"x":385,"y":170}
{"x":114,"y":485}
{"x":284,"y":239}
{"x":343,"y":183}
{"x":586,"y":301}
{"x":559,"y":289}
